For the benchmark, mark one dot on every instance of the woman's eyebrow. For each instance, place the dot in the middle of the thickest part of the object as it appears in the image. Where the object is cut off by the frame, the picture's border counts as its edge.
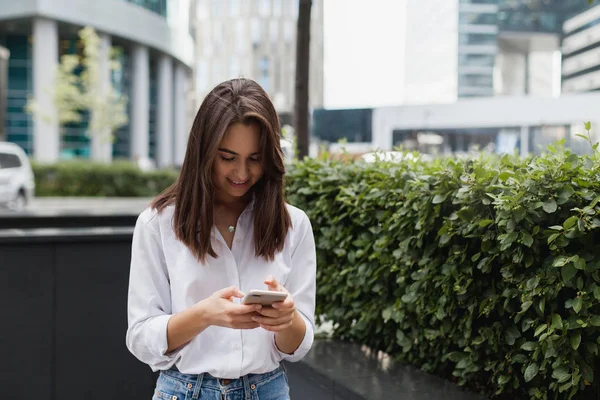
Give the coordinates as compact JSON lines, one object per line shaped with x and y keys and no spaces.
{"x":234,"y":153}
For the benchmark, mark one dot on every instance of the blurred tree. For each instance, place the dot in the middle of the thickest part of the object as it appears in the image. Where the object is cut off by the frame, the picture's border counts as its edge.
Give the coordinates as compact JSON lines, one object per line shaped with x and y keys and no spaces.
{"x":83,"y":84}
{"x":301,"y":116}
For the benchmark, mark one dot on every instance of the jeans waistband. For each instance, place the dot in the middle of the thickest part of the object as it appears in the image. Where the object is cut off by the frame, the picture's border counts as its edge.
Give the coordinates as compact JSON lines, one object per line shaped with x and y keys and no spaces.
{"x":209,"y":381}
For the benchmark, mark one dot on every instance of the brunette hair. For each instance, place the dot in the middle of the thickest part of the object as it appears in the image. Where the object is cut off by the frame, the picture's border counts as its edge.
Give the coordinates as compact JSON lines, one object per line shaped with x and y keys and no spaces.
{"x":234,"y":101}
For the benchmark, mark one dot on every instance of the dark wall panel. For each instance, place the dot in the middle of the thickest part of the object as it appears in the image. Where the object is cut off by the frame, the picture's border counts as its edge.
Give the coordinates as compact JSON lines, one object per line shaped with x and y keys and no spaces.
{"x":26,"y":338}
{"x":92,"y":321}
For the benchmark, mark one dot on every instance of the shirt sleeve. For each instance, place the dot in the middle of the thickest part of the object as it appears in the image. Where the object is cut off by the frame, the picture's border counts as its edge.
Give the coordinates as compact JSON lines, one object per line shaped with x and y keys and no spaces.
{"x":301,"y":283}
{"x":149,"y":297}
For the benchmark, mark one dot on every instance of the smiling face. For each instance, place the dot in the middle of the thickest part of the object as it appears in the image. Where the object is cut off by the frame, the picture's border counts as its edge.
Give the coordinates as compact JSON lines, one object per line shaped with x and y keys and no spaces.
{"x":238,"y":164}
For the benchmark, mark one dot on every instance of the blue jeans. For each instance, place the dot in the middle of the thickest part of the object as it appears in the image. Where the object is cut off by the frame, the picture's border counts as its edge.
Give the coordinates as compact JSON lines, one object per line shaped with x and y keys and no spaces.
{"x":173,"y":385}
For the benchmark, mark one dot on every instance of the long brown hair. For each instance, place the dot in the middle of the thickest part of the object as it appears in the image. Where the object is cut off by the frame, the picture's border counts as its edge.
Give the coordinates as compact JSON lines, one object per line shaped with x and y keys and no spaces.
{"x":234,"y":101}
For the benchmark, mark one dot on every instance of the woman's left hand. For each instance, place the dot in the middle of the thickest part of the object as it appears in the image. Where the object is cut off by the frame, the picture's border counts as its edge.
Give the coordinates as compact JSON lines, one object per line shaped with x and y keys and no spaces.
{"x":281,"y":315}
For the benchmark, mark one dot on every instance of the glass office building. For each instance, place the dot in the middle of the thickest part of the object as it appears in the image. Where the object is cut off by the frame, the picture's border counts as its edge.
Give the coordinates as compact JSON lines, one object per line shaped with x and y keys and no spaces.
{"x":504,"y":43}
{"x":156,"y":54}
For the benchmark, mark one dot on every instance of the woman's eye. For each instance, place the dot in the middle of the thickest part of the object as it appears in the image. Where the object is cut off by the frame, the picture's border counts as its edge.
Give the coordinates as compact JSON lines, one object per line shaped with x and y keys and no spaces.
{"x":255,"y":160}
{"x":228,"y":159}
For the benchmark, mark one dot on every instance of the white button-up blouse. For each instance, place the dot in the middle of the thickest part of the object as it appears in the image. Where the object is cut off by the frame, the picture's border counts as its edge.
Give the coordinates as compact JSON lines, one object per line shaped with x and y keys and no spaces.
{"x":166,"y":278}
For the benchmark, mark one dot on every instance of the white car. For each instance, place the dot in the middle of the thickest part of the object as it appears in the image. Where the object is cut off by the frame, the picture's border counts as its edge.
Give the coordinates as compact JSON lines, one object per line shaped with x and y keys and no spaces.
{"x":17,"y":185}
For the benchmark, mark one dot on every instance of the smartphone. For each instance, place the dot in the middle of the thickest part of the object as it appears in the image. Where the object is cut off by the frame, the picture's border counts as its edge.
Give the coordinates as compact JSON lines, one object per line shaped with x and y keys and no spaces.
{"x":263,"y":297}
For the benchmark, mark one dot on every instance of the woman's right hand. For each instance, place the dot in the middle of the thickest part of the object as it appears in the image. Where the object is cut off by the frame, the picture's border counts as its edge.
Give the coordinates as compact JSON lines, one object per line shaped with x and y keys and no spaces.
{"x":220,"y":310}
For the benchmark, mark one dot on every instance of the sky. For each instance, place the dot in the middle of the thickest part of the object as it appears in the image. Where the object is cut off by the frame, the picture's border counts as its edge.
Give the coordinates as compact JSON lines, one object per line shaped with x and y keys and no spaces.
{"x":363,"y":57}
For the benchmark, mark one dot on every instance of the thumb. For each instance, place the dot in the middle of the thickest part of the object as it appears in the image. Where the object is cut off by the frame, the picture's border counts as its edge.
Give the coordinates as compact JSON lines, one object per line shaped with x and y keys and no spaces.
{"x":272,"y":283}
{"x":229,"y":292}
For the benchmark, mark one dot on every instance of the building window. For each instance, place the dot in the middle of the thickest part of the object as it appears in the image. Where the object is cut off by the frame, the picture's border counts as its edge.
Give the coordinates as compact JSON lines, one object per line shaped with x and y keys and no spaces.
{"x":234,"y":68}
{"x":476,"y":60}
{"x":277,"y":8}
{"x":256,"y":33}
{"x":263,"y":73}
{"x":234,"y":8}
{"x":201,"y":76}
{"x":239,"y":36}
{"x":473,"y":80}
{"x":217,"y":8}
{"x":289,"y":27}
{"x":202,"y":11}
{"x":206,"y":41}
{"x":274,"y":32}
{"x":264,"y":8}
{"x":294,"y":4}
{"x":217,"y":35}
{"x":476,"y":39}
{"x":474,"y":18}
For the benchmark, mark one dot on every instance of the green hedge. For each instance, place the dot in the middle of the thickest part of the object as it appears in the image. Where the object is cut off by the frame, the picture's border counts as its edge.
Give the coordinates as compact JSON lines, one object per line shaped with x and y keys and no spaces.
{"x":485,"y":271}
{"x":84,"y":178}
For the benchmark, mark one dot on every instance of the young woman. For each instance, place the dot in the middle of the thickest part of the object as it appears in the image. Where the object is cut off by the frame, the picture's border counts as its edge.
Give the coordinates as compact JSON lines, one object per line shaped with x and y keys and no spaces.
{"x":221,"y":230}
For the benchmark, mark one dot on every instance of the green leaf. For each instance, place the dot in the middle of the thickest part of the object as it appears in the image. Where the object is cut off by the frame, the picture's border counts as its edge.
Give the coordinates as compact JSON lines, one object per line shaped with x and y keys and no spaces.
{"x":561,"y":374}
{"x":577,"y":304}
{"x":588,"y":124}
{"x":553,"y":237}
{"x":568,"y":272}
{"x":439,"y":198}
{"x":531,"y":371}
{"x":550,"y":206}
{"x":579,"y":134}
{"x":560,"y":261}
{"x":575,"y":340}
{"x":542,"y":304}
{"x":557,"y":322}
{"x":533,"y":283}
{"x":570,"y":222}
{"x":527,"y":239}
{"x":541,"y":328}
{"x":525,"y":306}
{"x":595,"y":320}
{"x":580,"y":264}
{"x":503,"y":380}
{"x":529,"y":346}
{"x":485,"y":222}
{"x":387,"y":314}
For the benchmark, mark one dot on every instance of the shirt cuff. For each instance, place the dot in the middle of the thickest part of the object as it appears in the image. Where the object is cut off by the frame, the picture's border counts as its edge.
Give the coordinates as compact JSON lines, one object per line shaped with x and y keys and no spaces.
{"x":159,"y":346}
{"x":305,"y":345}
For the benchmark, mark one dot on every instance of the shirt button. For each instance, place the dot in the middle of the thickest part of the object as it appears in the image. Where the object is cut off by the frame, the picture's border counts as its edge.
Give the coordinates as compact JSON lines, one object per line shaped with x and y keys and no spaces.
{"x":174,"y":397}
{"x":253,"y":386}
{"x":189,"y":385}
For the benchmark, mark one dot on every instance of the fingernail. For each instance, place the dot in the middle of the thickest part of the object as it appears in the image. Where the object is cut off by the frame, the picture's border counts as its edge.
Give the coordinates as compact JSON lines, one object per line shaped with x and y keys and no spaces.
{"x":258,"y":307}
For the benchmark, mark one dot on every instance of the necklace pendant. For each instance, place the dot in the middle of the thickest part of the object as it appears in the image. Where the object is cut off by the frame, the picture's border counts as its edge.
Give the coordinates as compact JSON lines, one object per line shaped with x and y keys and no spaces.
{"x":231,"y":228}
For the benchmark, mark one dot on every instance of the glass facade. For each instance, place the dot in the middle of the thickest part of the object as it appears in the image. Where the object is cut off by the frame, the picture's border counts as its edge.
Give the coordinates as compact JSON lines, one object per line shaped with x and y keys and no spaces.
{"x":544,"y":16}
{"x":475,"y":18}
{"x":153,"y":109}
{"x":537,"y":15}
{"x":477,"y":60}
{"x":156,"y":6}
{"x":74,"y":140}
{"x":122,"y":83}
{"x":19,"y":125}
{"x":477,"y":39}
{"x":476,"y":57}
